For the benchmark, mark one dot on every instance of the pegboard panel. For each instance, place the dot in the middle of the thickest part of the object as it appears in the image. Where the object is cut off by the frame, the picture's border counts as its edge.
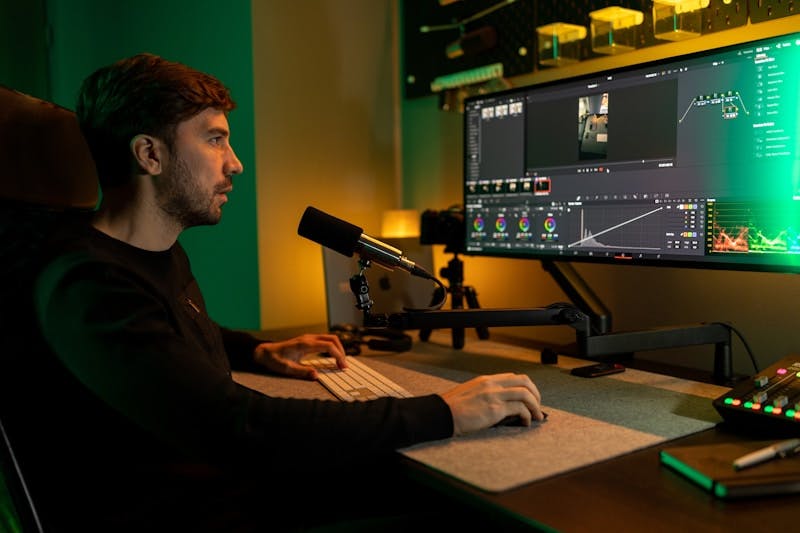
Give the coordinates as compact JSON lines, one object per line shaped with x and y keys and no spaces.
{"x":515,"y":24}
{"x":721,"y":15}
{"x":425,"y":53}
{"x":761,"y":10}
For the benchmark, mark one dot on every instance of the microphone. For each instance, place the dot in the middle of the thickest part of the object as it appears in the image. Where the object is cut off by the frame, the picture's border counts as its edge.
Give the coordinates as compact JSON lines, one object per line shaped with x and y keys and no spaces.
{"x":347,"y":239}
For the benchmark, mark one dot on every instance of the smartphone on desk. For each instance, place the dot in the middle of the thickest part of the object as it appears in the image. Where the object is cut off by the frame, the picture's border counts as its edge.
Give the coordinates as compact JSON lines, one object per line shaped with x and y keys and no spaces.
{"x":597,"y":370}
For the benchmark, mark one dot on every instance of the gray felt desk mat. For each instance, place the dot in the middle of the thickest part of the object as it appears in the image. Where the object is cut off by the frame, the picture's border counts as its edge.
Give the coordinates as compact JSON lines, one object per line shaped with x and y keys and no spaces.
{"x":590,"y":419}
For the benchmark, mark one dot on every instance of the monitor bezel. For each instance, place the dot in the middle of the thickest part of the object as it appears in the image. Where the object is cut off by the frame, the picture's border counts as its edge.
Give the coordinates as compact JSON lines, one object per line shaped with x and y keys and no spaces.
{"x":704,"y":262}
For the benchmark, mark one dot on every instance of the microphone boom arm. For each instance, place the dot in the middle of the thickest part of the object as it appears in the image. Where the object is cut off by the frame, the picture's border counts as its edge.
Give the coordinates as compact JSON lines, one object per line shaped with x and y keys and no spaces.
{"x":553,"y":315}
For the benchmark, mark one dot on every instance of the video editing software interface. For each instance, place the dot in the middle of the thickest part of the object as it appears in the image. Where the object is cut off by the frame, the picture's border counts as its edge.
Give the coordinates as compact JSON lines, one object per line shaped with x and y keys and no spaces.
{"x":687,"y":161}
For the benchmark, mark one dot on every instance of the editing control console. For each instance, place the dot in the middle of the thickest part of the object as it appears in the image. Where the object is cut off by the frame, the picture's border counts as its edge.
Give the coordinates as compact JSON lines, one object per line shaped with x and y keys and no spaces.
{"x":768,"y":402}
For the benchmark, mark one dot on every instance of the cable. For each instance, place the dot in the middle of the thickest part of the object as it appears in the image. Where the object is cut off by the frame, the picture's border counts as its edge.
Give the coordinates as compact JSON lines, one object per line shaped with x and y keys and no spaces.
{"x":480,"y":14}
{"x":434,"y":306}
{"x":744,"y":342}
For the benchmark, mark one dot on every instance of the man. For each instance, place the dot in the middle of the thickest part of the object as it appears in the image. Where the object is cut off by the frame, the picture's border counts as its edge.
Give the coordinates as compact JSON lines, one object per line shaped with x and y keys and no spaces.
{"x":139,"y":383}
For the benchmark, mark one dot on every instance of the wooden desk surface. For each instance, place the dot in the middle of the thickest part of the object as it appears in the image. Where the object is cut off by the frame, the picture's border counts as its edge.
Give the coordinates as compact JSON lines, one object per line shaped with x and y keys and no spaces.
{"x":633,"y":492}
{"x":629,"y":493}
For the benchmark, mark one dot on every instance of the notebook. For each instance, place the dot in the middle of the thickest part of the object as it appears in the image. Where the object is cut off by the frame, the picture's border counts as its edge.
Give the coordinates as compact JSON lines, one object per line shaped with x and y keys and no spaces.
{"x":711,"y":467}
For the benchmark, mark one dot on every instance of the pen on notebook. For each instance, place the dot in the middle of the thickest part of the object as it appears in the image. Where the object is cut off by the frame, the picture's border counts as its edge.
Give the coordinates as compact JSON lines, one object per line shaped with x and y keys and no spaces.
{"x":780,"y":449}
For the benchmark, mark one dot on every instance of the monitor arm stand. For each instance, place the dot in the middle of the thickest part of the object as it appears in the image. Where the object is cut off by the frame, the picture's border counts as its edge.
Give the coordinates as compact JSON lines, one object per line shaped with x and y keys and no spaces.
{"x":600,"y":341}
{"x":579,"y":293}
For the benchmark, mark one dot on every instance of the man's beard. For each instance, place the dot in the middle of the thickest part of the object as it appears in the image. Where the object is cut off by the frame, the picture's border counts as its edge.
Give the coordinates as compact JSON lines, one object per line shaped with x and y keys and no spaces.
{"x":180,"y":197}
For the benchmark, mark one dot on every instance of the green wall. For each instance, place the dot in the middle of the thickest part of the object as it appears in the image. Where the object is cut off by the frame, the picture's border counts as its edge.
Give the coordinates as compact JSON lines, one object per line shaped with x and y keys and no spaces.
{"x":210,"y":36}
{"x":23,"y":47}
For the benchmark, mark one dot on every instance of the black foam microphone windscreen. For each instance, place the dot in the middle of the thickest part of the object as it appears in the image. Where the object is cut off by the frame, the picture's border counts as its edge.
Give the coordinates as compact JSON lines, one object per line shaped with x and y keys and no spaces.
{"x":329,"y":231}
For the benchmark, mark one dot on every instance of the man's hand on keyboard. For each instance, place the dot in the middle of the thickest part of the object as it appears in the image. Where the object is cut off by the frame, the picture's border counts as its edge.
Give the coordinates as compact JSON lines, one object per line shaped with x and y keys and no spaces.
{"x":284,"y":357}
{"x":486,"y":400}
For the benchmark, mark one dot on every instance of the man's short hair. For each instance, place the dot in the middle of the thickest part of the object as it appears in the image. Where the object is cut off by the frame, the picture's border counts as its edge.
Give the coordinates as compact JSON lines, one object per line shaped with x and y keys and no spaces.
{"x":142,"y":94}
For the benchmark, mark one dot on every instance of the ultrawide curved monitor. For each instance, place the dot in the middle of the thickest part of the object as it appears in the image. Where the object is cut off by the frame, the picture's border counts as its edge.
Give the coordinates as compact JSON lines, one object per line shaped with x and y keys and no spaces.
{"x":687,"y":161}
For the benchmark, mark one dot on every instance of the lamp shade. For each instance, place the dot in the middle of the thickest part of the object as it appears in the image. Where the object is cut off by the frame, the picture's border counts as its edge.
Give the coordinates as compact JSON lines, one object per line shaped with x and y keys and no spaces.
{"x":399,"y":223}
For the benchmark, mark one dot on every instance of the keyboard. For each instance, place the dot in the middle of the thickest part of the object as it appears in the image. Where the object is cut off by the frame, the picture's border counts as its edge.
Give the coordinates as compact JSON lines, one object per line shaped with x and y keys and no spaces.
{"x":357,"y":382}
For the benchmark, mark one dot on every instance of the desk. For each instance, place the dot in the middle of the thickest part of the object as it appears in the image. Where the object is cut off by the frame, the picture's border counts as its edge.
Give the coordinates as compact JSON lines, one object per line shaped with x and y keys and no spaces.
{"x":629,"y":492}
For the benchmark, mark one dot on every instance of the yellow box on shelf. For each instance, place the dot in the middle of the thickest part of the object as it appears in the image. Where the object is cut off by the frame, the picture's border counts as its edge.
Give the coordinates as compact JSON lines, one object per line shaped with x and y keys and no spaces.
{"x":560,"y":43}
{"x":615,"y":29}
{"x":676,"y":20}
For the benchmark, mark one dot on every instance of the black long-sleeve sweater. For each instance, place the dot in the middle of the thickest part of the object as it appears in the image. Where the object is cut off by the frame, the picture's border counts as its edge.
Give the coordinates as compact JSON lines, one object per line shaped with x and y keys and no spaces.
{"x":135,"y":391}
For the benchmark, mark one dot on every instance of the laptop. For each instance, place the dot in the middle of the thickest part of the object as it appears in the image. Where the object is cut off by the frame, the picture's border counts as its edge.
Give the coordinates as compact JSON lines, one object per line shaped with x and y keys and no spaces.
{"x":390,"y":291}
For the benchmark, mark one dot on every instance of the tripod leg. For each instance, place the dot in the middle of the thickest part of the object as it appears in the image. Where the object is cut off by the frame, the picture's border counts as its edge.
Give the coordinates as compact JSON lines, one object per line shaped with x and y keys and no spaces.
{"x":457,"y":302}
{"x":472,"y":302}
{"x":458,"y":338}
{"x":425,"y":333}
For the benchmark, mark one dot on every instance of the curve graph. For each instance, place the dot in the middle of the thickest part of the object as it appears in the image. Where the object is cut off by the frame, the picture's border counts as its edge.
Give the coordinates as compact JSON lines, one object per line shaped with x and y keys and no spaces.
{"x":626,"y":228}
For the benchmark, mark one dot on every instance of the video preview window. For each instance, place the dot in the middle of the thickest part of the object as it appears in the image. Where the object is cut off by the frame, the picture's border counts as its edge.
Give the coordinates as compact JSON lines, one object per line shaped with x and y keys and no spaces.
{"x":644,"y":126}
{"x":593,"y":127}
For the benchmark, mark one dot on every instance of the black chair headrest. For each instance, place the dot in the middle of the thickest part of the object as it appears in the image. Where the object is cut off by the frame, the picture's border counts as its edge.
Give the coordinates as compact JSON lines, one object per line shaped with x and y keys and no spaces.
{"x":43,"y":155}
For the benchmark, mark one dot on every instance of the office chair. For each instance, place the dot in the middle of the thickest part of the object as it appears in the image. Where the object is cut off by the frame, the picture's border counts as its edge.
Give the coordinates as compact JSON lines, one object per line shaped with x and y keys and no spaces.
{"x":47,"y":175}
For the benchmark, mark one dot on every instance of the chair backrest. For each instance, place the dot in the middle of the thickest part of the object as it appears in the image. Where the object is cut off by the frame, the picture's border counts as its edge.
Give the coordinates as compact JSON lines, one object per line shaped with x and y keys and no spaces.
{"x":45,"y":159}
{"x":46,"y":175}
{"x":45,"y":169}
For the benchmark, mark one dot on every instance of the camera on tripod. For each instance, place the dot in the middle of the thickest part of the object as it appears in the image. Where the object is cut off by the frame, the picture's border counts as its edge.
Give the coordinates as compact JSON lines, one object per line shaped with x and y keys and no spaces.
{"x":449,"y":228}
{"x":444,"y":227}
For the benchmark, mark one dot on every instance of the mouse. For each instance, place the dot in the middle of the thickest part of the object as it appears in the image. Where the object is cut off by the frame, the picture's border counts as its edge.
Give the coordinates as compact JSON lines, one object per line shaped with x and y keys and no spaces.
{"x":516,"y":420}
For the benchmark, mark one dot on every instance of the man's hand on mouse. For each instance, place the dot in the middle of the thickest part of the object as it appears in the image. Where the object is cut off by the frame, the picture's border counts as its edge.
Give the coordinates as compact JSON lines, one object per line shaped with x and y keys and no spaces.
{"x":486,"y":400}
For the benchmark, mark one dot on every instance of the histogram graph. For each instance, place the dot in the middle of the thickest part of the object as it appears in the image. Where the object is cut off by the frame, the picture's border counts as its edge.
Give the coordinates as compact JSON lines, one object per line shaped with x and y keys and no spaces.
{"x":632,"y":228}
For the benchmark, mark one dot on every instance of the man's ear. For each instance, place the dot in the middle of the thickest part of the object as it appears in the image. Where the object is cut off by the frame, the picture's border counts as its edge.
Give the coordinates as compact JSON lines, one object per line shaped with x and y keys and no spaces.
{"x":148,"y":152}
